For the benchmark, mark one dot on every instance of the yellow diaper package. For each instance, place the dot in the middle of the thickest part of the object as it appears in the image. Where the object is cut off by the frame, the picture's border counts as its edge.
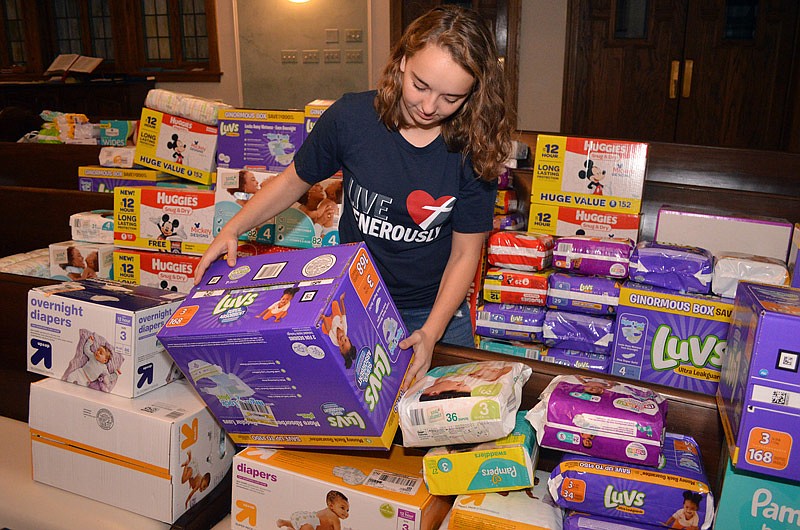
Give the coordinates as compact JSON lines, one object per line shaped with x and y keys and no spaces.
{"x":500,"y":465}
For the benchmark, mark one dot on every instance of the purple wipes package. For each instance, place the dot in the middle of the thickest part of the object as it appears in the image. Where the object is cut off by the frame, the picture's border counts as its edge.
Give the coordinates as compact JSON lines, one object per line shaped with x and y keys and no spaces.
{"x":577,"y":331}
{"x":577,"y":359}
{"x":585,"y":294}
{"x":678,"y":268}
{"x":600,"y":418}
{"x":676,"y":495}
{"x":587,"y":521}
{"x":510,"y":321}
{"x":593,"y":255}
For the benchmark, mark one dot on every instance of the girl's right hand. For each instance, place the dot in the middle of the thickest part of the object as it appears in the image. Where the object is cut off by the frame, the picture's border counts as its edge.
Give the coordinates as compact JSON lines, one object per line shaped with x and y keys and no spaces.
{"x":226,"y":242}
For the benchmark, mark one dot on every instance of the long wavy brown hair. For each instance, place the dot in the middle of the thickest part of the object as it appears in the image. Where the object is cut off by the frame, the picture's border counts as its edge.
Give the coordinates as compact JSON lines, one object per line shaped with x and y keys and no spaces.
{"x":482,"y":127}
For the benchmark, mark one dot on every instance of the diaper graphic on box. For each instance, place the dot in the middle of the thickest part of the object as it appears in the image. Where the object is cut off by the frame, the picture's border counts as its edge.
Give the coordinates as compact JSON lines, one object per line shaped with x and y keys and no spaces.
{"x":100,"y":334}
{"x":234,"y":188}
{"x":670,"y":338}
{"x":259,"y":139}
{"x":295,"y":348}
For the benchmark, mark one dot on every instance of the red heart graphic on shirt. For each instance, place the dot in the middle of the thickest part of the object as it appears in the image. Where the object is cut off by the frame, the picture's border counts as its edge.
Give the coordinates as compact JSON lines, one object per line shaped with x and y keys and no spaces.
{"x":427,"y":211}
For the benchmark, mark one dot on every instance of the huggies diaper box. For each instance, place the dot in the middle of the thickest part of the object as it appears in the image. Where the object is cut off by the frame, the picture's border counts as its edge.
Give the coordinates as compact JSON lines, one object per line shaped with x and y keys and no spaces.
{"x":670,"y":338}
{"x":259,"y":139}
{"x":234,"y":188}
{"x":96,"y":226}
{"x":105,"y":179}
{"x":559,"y":220}
{"x":100,"y":334}
{"x":605,"y":175}
{"x":156,"y":455}
{"x":173,"y":272}
{"x":759,"y":393}
{"x":304,"y":489}
{"x":76,"y":260}
{"x":176,"y":145}
{"x":295,"y":349}
{"x":164,"y":219}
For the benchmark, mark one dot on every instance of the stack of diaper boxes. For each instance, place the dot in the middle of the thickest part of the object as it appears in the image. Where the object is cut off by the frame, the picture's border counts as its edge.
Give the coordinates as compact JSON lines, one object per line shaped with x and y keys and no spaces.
{"x":108,"y":422}
{"x":90,"y":252}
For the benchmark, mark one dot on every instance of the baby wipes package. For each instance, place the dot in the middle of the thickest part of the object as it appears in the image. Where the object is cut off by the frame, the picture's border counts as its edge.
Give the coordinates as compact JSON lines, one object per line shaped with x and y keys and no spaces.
{"x":675,"y":495}
{"x":295,"y":348}
{"x":463,"y":403}
{"x":504,"y":464}
{"x":602,"y":418}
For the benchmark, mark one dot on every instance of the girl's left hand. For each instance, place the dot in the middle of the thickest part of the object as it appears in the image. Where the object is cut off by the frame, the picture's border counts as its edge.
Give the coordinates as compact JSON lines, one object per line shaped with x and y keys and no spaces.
{"x":423,"y":344}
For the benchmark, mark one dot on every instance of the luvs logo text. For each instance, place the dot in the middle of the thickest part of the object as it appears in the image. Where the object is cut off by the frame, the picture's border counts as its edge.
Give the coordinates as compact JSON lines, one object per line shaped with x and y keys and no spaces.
{"x":232,"y":302}
{"x":668,"y":351}
{"x":631,"y":499}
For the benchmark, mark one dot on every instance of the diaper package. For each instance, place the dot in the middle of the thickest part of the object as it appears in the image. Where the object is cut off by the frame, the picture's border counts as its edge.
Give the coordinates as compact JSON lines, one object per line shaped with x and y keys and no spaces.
{"x":463,"y":403}
{"x":507,"y":286}
{"x":578,"y":331}
{"x":577,"y":359}
{"x":586,"y":521}
{"x":77,"y":260}
{"x":185,"y":105}
{"x":601,"y":418}
{"x":121,"y":157}
{"x":584,"y":294}
{"x":675,"y":495}
{"x":96,"y":226}
{"x":506,"y":202}
{"x":509,"y":221}
{"x":524,"y":251}
{"x":527,"y":509}
{"x":510,"y":321}
{"x":528,"y":350}
{"x":234,"y":188}
{"x":259,"y":139}
{"x":730,"y":267}
{"x":678,"y":268}
{"x":593,"y":255}
{"x":501,"y":465}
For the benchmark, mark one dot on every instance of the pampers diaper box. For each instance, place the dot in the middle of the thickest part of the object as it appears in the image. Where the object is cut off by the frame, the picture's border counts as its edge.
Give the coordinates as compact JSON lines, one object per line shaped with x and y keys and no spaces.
{"x":279,"y":488}
{"x":100,"y":334}
{"x":234,"y":188}
{"x":670,"y":338}
{"x":296,"y":348}
{"x":759,"y":394}
{"x":74,"y":260}
{"x":605,"y":175}
{"x":259,"y":139}
{"x":143,"y":455}
{"x":313,"y":221}
{"x":95,"y":226}
{"x":177,"y":146}
{"x":177,"y":220}
{"x":173,"y":272}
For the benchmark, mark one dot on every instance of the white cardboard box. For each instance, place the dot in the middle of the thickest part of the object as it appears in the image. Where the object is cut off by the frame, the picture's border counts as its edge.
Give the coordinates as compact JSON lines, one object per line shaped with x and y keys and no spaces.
{"x":379,"y":491}
{"x":68,"y":322}
{"x":760,"y":236}
{"x":130,"y":453}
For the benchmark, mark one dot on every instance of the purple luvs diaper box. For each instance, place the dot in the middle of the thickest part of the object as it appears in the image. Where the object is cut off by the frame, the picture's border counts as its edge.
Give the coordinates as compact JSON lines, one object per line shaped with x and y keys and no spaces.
{"x":299,"y":348}
{"x":759,"y":392}
{"x":670,"y":338}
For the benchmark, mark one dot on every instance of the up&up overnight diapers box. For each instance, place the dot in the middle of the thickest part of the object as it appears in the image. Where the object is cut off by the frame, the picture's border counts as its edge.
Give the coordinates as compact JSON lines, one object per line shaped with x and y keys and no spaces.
{"x":280,"y":488}
{"x":259,"y":139}
{"x":297,"y":348}
{"x":100,"y":334}
{"x":759,"y":393}
{"x":606,"y":175}
{"x":670,"y":338}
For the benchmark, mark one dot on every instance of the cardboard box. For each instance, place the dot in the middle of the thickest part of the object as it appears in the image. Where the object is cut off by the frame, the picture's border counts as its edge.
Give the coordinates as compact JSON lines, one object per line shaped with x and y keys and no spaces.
{"x":96,"y":226}
{"x":313,"y":221}
{"x":598,"y":174}
{"x":759,"y":394}
{"x":558,"y":220}
{"x":175,"y":145}
{"x":105,"y":179}
{"x":259,"y":139}
{"x":76,"y":260}
{"x":375,"y":492}
{"x":313,"y":110}
{"x":142,"y":455}
{"x":670,"y":338}
{"x":234,"y":188}
{"x":295,"y":348}
{"x":73,"y":327}
{"x":794,"y":262}
{"x":173,"y":272}
{"x":760,"y":236}
{"x":177,"y":220}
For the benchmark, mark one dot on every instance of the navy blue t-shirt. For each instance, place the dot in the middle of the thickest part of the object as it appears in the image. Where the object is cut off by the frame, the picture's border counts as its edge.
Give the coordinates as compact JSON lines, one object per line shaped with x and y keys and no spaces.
{"x":403,"y":201}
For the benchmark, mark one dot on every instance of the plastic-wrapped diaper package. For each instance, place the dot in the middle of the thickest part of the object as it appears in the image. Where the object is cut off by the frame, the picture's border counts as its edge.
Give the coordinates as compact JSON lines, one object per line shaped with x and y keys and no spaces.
{"x":34,"y":263}
{"x":117,"y":156}
{"x":504,"y":464}
{"x":185,"y":105}
{"x":510,"y":321}
{"x":601,"y":418}
{"x":527,"y":509}
{"x":506,"y":202}
{"x":463,"y":403}
{"x":679,"y":268}
{"x":578,"y":331}
{"x":675,"y":495}
{"x":528,"y":350}
{"x":509,"y":221}
{"x":730,"y":267}
{"x":586,"y":521}
{"x":508,"y":286}
{"x":577,"y":359}
{"x":522,"y":251}
{"x":593,"y":255}
{"x":585,"y":294}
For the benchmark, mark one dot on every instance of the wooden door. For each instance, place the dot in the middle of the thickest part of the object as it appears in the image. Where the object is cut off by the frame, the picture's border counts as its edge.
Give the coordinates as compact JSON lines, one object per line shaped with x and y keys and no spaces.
{"x":698,"y":74}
